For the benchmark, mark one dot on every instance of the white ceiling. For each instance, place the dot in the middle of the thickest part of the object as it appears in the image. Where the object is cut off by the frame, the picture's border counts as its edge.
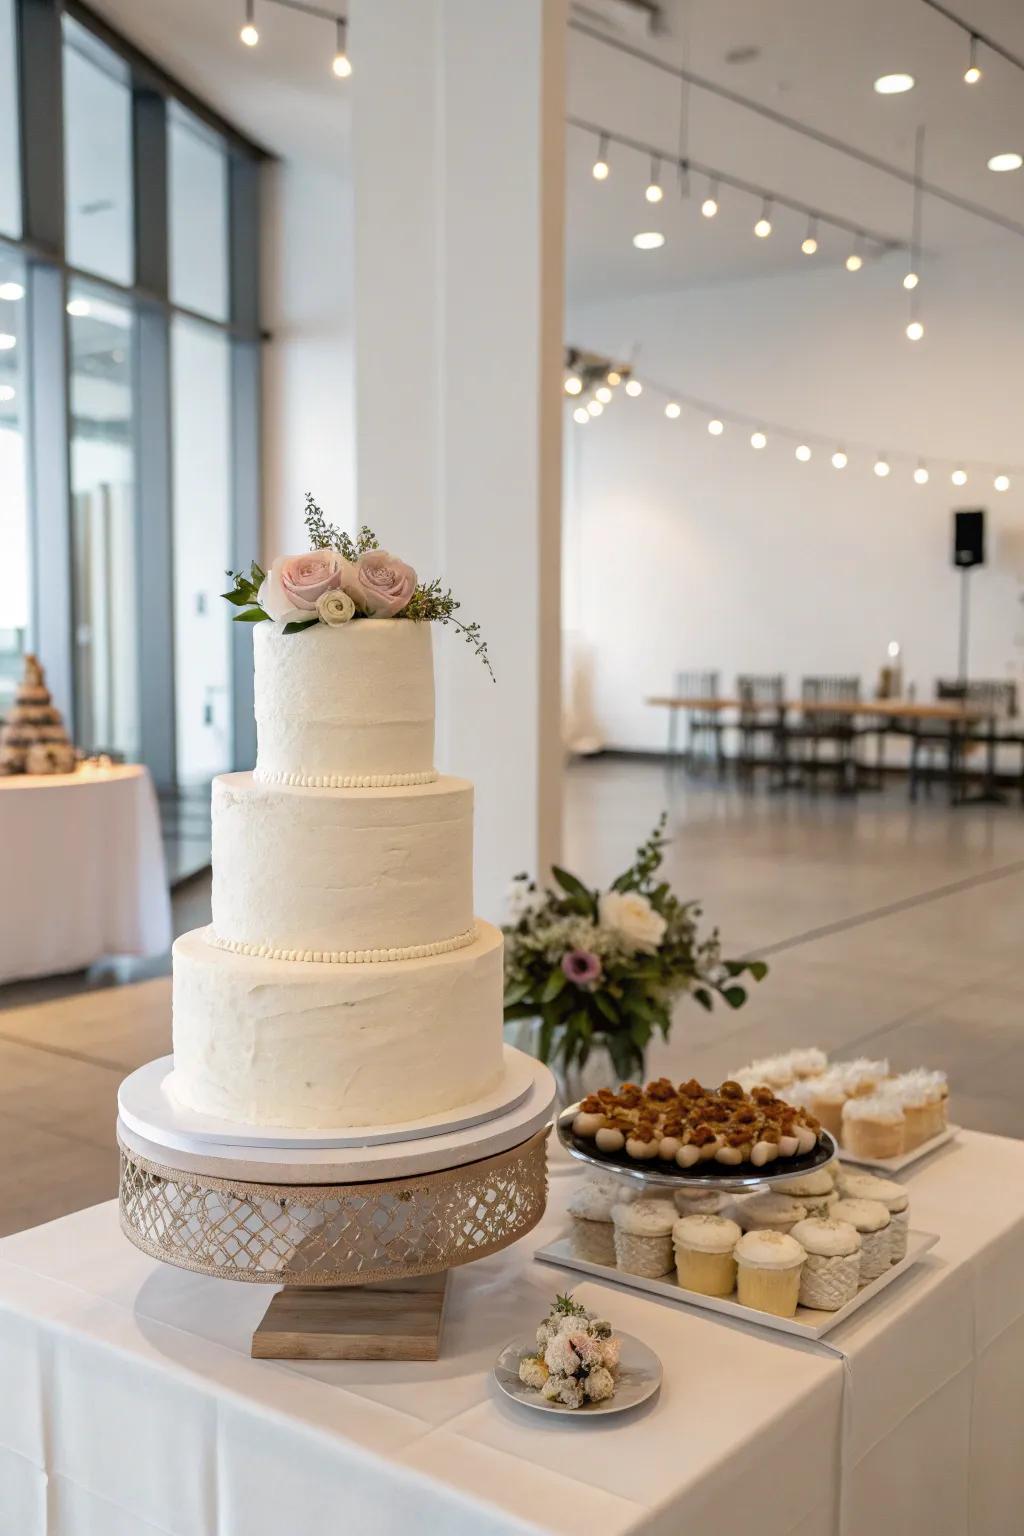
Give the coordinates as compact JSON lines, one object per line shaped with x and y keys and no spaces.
{"x":815,"y":61}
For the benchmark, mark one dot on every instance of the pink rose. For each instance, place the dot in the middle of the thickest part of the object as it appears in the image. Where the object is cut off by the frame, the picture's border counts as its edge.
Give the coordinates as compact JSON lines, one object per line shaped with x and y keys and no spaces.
{"x":381,"y":584}
{"x":295,"y":583}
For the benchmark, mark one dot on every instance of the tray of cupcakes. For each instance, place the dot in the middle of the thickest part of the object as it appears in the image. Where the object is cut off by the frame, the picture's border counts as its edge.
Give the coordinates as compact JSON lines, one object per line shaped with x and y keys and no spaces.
{"x":799,"y":1257}
{"x":695,"y":1135}
{"x":879,"y":1118}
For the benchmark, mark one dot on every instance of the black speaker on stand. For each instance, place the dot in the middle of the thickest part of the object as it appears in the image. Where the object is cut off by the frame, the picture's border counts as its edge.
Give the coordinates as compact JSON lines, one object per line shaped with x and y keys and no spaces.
{"x":968,"y":551}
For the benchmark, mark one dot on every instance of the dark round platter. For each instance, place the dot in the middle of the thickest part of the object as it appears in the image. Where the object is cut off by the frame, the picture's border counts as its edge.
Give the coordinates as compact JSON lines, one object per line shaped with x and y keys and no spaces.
{"x":711,"y":1175}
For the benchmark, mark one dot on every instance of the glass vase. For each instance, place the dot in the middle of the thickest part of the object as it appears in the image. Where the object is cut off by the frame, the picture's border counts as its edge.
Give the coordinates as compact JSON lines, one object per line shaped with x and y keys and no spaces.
{"x":576,"y":1081}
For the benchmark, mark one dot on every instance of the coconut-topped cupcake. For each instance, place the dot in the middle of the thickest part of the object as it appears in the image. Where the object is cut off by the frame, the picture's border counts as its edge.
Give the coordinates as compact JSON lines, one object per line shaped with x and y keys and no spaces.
{"x":873,"y":1126}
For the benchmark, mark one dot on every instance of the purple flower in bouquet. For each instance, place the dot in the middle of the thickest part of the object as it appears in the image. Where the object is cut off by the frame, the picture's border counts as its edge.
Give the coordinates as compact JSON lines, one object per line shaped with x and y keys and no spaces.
{"x":581,"y":966}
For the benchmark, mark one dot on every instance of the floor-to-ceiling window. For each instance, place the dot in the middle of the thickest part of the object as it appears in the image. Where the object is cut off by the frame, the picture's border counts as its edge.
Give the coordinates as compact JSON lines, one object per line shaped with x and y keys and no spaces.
{"x":129,"y":357}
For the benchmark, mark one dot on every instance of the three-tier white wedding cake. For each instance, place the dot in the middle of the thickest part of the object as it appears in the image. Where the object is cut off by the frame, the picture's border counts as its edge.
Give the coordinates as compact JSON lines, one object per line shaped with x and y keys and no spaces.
{"x":344,"y":979}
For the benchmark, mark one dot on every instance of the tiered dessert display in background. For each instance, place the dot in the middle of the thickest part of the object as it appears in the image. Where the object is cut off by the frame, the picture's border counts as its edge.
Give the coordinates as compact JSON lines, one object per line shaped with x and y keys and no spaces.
{"x":33,"y":738}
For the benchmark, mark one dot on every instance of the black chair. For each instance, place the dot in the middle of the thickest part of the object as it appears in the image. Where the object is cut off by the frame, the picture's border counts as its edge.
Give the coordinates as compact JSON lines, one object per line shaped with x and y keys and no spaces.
{"x":703,"y":726}
{"x":762,"y":717}
{"x":954,"y":741}
{"x":820,"y":726}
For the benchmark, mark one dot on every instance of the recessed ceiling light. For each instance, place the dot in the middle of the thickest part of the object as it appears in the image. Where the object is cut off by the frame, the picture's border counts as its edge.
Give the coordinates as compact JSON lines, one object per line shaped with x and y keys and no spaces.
{"x":894,"y":85}
{"x":12,"y":292}
{"x":1011,"y":161}
{"x":649,"y":240}
{"x":78,"y":307}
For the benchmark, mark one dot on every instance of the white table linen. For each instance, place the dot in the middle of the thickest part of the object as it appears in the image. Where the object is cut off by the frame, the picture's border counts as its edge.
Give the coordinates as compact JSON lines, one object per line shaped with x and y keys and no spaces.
{"x":83,"y":870}
{"x":130,"y":1406}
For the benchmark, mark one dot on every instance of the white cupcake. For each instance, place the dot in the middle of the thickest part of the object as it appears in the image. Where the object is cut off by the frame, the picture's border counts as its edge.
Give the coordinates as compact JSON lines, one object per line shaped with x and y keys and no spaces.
{"x":807,"y":1061}
{"x":831,"y":1273}
{"x":874,"y":1127}
{"x":863,"y":1077}
{"x":704,"y":1254}
{"x":591,"y":1234}
{"x":872,"y":1221}
{"x":768,"y":1272}
{"x":815,"y":1190}
{"x":924,"y":1096}
{"x":769,"y":1213}
{"x":643,"y":1237}
{"x":825,"y":1096}
{"x":865,"y":1186}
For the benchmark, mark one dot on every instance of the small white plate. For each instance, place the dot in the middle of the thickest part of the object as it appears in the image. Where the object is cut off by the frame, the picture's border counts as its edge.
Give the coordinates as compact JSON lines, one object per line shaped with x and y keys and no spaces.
{"x":638,"y":1378}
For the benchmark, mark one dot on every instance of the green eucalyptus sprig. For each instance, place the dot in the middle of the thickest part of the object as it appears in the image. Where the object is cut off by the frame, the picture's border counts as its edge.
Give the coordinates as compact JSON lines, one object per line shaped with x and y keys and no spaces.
{"x":243,"y":593}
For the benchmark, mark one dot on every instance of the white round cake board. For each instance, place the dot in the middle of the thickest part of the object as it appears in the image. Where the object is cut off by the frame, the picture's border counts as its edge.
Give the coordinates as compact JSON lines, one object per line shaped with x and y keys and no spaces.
{"x":147,"y":1105}
{"x":164,"y":1142}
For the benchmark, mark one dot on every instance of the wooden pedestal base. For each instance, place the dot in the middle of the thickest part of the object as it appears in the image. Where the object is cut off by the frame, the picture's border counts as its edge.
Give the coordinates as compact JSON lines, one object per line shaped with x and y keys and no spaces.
{"x":389,"y":1320}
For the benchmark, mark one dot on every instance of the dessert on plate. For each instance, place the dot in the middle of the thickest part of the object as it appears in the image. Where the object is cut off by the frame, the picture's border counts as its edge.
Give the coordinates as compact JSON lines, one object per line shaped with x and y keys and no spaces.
{"x":577,"y":1357}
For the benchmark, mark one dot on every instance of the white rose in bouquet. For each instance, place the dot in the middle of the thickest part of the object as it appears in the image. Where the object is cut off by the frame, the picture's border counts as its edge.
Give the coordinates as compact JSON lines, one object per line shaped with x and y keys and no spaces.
{"x":630,"y":915}
{"x":335,"y":607}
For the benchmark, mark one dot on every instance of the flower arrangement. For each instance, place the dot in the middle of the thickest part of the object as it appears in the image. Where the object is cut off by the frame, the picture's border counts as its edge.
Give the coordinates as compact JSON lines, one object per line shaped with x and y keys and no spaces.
{"x":339,"y":580}
{"x":606,"y":967}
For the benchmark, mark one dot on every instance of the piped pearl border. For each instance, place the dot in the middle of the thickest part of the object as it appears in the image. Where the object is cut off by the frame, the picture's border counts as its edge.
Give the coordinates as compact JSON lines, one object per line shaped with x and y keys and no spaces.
{"x":350,"y":956}
{"x":346,"y":780}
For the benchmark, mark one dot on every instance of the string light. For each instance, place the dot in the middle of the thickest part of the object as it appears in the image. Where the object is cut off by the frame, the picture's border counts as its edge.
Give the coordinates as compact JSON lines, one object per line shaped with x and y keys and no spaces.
{"x":341,"y":64}
{"x":603,"y":393}
{"x":839,"y":459}
{"x":881,"y":468}
{"x":573,"y":384}
{"x":613,"y":378}
{"x":763,"y":227}
{"x":709,"y":207}
{"x":649,"y":240}
{"x":599,"y":169}
{"x":673,"y":410}
{"x":716,"y":427}
{"x":758,"y":440}
{"x":803,"y":453}
{"x":972,"y":74}
{"x":1001,"y":482}
{"x":959,"y":477}
{"x":855,"y":260}
{"x":634,"y":388}
{"x":581,"y":415}
{"x":915,"y":330}
{"x":654,"y":193}
{"x":910,"y":281}
{"x":594,"y":408}
{"x":249,"y":33}
{"x":809,"y":244}
{"x":921,"y":475}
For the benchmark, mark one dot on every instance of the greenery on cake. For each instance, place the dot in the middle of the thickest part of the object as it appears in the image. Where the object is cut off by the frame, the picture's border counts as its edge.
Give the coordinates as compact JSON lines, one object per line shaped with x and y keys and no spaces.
{"x":604,"y":968}
{"x":341,"y":579}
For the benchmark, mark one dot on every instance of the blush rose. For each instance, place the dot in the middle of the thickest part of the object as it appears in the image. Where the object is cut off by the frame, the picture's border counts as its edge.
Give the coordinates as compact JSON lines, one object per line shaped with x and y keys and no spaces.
{"x":380,"y":584}
{"x":295,"y":583}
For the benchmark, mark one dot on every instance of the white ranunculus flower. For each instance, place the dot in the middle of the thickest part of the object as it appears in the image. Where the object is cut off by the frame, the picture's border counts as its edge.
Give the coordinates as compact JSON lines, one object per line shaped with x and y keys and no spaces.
{"x":335,"y":607}
{"x":631,"y":916}
{"x":521,"y":901}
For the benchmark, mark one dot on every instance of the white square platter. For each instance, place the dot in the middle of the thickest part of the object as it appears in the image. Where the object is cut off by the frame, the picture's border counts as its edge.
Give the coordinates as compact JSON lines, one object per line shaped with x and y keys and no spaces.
{"x":905,"y":1159}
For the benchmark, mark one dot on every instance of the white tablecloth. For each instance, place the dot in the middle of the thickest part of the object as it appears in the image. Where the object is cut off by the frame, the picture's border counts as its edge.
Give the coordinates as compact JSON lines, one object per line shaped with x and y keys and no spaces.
{"x":129,"y":1405}
{"x":83,"y":871}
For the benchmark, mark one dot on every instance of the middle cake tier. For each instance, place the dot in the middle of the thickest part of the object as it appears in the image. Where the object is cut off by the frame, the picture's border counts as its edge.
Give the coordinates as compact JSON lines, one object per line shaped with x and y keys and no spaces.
{"x":342,"y":874}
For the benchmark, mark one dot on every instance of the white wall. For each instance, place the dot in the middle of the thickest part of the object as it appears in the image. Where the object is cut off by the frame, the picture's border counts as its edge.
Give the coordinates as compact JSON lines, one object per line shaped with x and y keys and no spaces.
{"x":307,"y":365}
{"x":689,"y":552}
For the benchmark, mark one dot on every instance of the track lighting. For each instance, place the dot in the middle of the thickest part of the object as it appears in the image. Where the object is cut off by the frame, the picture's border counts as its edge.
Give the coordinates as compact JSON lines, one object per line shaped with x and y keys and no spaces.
{"x":910,"y":281}
{"x":249,"y":34}
{"x":594,"y":408}
{"x":613,"y":378}
{"x":854,"y":261}
{"x":839,"y":459}
{"x":881,"y":467}
{"x":803,"y":453}
{"x":634,"y":388}
{"x":341,"y":65}
{"x":673,"y":410}
{"x":603,"y":393}
{"x":758,"y":440}
{"x":921,"y":475}
{"x":959,"y":477}
{"x":581,"y":415}
{"x":654,"y":193}
{"x":763,"y":227}
{"x":809,"y":244}
{"x":1001,"y":482}
{"x":599,"y":169}
{"x":972,"y":74}
{"x":573,"y":384}
{"x":709,"y":207}
{"x":915,"y":330}
{"x":716,"y":427}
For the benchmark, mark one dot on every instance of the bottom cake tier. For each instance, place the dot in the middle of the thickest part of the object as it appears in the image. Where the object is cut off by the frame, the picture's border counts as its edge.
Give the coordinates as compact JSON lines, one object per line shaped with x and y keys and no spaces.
{"x":296,"y":1043}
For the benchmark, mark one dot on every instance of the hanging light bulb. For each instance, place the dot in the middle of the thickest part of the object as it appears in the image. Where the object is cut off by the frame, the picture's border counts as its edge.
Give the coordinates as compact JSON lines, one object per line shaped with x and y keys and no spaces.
{"x":341,"y":64}
{"x":249,"y":33}
{"x":972,"y":74}
{"x":809,"y":244}
{"x":716,"y":427}
{"x":915,"y":330}
{"x":709,"y":207}
{"x":634,"y":388}
{"x":1001,"y":482}
{"x":839,"y":459}
{"x":649,"y":240}
{"x":573,"y":384}
{"x":758,"y":440}
{"x":654,"y":193}
{"x":910,"y":281}
{"x":881,"y":467}
{"x":763,"y":227}
{"x":581,"y":415}
{"x":599,"y":169}
{"x":855,"y":260}
{"x":613,"y":378}
{"x":603,"y":393}
{"x":803,"y":453}
{"x":594,"y":407}
{"x":673,"y":410}
{"x":959,"y":477}
{"x":920,"y":475}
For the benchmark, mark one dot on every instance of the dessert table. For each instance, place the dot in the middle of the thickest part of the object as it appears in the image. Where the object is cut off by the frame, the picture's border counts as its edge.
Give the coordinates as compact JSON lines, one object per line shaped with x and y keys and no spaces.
{"x":131,"y":1406}
{"x":85,"y":870}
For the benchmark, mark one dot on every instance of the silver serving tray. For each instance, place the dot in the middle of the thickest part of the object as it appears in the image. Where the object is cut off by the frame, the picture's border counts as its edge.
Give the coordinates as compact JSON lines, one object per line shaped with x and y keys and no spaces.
{"x":807,"y":1324}
{"x":701,"y":1175}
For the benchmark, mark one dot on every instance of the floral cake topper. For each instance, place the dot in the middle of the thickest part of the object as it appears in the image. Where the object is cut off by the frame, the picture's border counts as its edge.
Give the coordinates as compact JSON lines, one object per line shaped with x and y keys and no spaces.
{"x":339,"y":580}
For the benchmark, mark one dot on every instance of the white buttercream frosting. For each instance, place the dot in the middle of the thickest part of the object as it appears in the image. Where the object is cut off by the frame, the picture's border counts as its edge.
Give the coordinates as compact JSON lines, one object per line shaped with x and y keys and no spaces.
{"x":594,"y":1198}
{"x":769,"y":1250}
{"x":274,"y":1043}
{"x":770,"y":1210}
{"x":827,"y":1239}
{"x":304,"y":872}
{"x":351,"y":703}
{"x":817,"y":1182}
{"x":865,"y":1215}
{"x":645,"y":1218}
{"x":867,"y":1186}
{"x":706,"y":1234}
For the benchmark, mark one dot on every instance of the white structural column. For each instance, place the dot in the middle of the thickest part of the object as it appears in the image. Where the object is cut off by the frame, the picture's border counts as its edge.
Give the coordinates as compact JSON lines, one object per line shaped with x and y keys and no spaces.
{"x":458,"y":145}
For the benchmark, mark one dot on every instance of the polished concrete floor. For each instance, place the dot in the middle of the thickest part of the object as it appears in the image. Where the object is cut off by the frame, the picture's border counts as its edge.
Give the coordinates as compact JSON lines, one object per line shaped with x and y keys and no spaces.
{"x":890,"y":929}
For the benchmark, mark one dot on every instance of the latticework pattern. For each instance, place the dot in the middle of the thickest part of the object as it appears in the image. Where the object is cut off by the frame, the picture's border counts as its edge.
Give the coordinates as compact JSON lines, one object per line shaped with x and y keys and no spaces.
{"x":336,"y":1234}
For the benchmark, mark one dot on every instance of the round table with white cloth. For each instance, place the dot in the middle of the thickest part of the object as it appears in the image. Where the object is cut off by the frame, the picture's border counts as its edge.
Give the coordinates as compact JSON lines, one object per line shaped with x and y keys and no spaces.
{"x":83,"y":870}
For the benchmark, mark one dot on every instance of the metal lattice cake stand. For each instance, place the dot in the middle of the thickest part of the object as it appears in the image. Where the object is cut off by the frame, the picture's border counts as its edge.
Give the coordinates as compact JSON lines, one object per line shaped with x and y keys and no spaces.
{"x":362,"y":1237}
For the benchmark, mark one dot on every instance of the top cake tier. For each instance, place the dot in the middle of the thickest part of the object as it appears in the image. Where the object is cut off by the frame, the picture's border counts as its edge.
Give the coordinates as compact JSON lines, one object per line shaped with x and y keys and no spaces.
{"x":345,"y":707}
